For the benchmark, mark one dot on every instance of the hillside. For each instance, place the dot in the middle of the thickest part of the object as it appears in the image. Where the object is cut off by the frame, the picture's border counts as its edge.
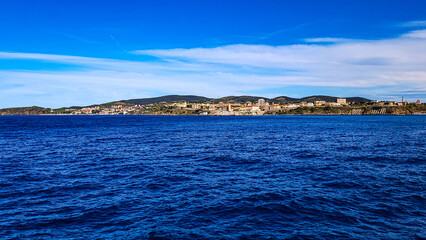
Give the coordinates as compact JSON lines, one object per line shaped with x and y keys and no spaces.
{"x":318,"y":98}
{"x":168,"y":98}
{"x":237,"y":99}
{"x":284,"y":99}
{"x":34,"y":110}
{"x":358,"y":99}
{"x":332,"y":99}
{"x":231,"y":99}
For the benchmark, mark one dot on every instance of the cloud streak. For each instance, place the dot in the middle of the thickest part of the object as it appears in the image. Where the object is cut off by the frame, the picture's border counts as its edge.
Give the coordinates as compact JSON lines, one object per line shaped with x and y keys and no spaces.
{"x":327,"y":40}
{"x":414,"y":24}
{"x":385,"y":67}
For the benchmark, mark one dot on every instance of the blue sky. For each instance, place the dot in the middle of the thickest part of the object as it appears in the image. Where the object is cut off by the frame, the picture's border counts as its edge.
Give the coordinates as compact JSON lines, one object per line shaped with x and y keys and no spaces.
{"x":70,"y":52}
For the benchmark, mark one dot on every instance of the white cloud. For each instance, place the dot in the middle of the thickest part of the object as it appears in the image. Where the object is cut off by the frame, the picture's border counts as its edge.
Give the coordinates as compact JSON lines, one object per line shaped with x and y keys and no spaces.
{"x":418,"y":34}
{"x":397,"y":63}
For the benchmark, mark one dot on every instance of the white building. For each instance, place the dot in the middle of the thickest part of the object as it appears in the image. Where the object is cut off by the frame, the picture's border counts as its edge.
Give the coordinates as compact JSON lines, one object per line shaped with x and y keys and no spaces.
{"x":261,"y":102}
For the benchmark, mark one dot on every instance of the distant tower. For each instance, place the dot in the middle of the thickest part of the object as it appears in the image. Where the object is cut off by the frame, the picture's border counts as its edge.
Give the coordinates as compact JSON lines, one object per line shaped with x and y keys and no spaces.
{"x":261,"y":102}
{"x":402,"y":99}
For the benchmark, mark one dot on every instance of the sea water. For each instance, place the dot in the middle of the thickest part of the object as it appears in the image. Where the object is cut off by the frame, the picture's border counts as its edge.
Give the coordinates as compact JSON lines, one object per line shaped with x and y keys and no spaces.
{"x":205,"y":177}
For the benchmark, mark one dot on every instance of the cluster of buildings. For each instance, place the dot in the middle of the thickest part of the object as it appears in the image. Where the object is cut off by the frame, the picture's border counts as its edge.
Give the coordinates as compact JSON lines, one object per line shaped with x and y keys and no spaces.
{"x":117,"y":109}
{"x":249,"y":108}
{"x":221,"y":108}
{"x":394,"y":103}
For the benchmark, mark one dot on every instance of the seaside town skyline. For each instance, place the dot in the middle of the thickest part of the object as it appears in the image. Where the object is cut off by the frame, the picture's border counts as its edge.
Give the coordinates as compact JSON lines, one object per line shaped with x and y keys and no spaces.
{"x":260,"y":107}
{"x":234,"y":106}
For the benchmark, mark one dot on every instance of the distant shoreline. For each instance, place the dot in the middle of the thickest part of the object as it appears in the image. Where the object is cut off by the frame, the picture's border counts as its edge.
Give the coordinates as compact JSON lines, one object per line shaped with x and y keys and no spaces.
{"x":318,"y":108}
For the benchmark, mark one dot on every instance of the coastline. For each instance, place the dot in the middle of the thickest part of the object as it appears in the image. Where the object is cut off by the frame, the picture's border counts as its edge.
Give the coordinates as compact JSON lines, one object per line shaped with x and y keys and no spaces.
{"x":345,"y":110}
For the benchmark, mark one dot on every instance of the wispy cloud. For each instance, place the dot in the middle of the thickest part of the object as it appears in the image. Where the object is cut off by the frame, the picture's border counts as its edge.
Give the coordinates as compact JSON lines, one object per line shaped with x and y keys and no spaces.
{"x":263,"y":36}
{"x":257,"y":37}
{"x":327,"y":40}
{"x":117,"y":43}
{"x":414,"y":24}
{"x":378,"y":68}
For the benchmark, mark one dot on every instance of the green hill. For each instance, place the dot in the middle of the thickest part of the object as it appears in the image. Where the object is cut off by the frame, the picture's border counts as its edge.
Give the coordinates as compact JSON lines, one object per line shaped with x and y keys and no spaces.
{"x":34,"y":110}
{"x":168,"y":98}
{"x":332,"y":99}
{"x":358,"y":99}
{"x":284,"y":99}
{"x":237,"y":99}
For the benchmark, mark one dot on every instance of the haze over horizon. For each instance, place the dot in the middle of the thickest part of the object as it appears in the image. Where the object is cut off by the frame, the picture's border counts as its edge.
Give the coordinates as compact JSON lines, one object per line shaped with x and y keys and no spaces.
{"x":64,"y":53}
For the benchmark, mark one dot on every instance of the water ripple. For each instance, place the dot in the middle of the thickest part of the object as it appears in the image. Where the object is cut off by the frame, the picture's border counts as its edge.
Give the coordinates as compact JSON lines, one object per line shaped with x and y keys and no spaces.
{"x":163,"y":177}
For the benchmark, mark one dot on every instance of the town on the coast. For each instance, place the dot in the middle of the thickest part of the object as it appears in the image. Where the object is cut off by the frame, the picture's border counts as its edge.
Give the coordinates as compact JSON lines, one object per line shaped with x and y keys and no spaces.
{"x":234,"y":106}
{"x":261,"y":107}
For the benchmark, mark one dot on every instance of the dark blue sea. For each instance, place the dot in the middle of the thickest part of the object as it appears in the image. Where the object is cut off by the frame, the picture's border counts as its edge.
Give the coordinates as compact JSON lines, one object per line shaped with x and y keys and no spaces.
{"x":204,"y":177}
